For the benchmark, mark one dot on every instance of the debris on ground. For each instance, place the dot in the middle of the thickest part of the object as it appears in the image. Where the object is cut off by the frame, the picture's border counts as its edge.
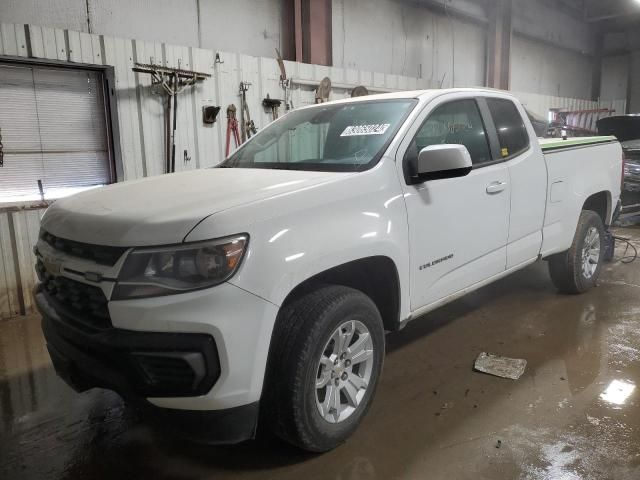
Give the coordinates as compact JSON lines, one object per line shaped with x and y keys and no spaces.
{"x":498,"y":366}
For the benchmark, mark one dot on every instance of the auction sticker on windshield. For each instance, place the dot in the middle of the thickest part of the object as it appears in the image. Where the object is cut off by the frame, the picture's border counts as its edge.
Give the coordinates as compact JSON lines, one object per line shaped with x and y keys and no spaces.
{"x":357,"y":130}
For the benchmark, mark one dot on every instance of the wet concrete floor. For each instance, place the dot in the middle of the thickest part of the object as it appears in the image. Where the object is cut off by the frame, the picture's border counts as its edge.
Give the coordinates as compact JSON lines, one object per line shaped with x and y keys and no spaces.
{"x":573,"y":415}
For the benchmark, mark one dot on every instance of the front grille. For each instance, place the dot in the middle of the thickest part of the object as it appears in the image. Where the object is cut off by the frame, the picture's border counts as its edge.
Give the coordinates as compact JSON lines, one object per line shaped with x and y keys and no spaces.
{"x":83,"y":304}
{"x":98,"y":253}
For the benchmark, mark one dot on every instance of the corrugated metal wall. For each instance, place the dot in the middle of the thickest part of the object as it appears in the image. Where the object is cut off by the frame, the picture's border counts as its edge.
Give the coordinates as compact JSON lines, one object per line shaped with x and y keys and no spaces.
{"x":18,"y":235}
{"x":140,"y":116}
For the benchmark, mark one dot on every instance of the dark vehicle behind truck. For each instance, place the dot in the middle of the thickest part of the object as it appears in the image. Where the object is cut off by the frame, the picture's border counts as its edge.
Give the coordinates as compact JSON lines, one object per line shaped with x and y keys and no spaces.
{"x":626,"y":128}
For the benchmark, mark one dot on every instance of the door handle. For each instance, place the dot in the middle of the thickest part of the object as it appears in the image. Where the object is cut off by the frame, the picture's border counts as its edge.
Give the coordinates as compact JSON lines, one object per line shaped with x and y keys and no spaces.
{"x":496,"y":187}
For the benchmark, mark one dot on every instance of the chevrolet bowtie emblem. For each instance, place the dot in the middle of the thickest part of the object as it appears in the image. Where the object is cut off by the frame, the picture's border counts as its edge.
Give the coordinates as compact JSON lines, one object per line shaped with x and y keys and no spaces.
{"x":93,"y":277}
{"x":51,"y":266}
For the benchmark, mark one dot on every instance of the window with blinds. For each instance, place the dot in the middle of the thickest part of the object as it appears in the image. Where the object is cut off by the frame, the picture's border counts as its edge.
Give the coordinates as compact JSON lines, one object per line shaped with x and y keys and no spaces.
{"x":53,"y":127}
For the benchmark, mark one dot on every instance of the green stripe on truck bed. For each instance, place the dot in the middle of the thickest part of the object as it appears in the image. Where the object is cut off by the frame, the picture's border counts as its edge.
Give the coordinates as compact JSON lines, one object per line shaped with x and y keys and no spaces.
{"x":554,"y":144}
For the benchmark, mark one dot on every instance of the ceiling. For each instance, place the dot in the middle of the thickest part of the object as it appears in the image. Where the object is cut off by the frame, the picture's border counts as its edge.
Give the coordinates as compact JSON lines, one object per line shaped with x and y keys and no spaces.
{"x":604,"y":16}
{"x":609,"y":15}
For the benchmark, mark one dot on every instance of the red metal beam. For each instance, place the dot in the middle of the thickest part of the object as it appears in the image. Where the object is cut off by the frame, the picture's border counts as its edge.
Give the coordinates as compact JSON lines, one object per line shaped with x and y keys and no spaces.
{"x":307,"y":31}
{"x":297,"y":9}
{"x":320,"y":32}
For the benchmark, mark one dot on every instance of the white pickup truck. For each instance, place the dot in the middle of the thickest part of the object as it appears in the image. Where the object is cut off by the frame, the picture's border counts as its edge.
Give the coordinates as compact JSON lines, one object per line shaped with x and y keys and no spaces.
{"x":264,"y":287}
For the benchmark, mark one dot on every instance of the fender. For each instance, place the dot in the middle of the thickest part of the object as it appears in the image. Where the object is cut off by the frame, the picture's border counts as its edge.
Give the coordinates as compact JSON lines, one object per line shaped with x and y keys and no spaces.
{"x":297,"y":235}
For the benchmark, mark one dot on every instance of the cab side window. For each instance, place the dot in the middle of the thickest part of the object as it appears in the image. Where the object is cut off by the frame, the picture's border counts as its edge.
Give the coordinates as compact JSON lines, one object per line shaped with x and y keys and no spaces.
{"x":512,"y":132}
{"x":458,"y":123}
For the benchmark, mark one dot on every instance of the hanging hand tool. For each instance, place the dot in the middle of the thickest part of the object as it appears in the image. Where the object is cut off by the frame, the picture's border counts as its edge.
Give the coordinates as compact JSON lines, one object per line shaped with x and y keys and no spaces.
{"x":173,"y":81}
{"x":209,"y":114}
{"x":285,"y":82}
{"x":175,"y":120}
{"x":359,"y":91}
{"x":247,"y":127}
{"x":232,"y":128}
{"x":273,"y":105}
{"x":323,"y":91}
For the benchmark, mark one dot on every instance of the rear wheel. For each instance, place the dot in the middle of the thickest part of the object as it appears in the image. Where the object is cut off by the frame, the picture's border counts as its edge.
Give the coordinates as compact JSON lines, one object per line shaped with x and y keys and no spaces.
{"x":577,"y":270}
{"x":325,"y":364}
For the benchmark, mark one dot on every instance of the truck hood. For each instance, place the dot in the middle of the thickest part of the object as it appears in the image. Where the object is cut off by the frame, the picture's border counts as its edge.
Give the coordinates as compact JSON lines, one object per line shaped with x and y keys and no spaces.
{"x":162,"y":210}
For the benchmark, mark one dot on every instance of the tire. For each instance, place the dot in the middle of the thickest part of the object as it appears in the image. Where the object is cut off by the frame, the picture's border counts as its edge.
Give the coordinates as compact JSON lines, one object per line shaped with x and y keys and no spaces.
{"x":566,"y":269}
{"x":304,"y":335}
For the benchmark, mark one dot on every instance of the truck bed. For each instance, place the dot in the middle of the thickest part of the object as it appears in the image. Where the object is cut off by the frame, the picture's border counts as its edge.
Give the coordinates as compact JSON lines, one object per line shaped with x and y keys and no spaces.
{"x":577,"y":168}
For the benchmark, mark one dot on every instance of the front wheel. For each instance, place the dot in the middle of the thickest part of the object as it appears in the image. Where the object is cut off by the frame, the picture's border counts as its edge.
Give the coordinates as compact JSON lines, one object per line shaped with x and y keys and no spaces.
{"x":577,"y":270}
{"x":326,"y":360}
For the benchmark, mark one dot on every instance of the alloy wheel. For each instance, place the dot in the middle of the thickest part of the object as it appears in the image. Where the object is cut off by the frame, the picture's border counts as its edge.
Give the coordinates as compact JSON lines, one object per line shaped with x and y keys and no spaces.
{"x":344,"y":371}
{"x":590,"y":252}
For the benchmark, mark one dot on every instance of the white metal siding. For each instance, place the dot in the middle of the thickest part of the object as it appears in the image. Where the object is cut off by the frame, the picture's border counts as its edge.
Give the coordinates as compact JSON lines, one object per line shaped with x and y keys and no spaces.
{"x":18,"y":235}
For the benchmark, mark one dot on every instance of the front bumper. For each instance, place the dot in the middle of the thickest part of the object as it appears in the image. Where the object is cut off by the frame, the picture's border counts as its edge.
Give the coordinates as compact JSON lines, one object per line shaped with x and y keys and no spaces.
{"x":230,"y":329}
{"x":136,"y":365}
{"x":108,"y":360}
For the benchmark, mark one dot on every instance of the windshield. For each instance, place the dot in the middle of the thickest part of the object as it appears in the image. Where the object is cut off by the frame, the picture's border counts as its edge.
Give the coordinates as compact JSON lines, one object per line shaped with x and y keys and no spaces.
{"x":339,"y":138}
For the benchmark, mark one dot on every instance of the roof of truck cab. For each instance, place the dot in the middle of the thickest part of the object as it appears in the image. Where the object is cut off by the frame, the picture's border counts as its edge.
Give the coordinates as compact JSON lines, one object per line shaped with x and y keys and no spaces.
{"x":414,"y":94}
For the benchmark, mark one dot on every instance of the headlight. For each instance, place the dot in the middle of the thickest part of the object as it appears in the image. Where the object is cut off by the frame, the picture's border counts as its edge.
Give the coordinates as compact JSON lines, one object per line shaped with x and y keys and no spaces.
{"x":152,"y":272}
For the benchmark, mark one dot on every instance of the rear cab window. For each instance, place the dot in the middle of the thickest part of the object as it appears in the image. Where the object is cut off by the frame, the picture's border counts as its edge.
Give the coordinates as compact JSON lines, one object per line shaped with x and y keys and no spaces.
{"x":510,"y":127}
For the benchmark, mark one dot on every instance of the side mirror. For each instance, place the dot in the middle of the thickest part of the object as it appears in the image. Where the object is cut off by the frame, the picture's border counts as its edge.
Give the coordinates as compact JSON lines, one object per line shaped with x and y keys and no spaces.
{"x":436,"y":162}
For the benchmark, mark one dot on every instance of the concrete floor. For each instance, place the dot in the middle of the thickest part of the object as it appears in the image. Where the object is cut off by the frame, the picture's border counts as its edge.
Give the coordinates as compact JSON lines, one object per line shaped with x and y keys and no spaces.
{"x":573,"y":415}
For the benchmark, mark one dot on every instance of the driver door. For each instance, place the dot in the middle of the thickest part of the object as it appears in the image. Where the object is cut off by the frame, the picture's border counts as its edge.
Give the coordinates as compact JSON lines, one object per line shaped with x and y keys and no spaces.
{"x":458,"y":227}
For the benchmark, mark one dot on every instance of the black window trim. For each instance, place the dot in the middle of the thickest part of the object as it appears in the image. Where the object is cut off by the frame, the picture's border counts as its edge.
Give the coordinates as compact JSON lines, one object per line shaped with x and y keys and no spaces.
{"x":494,"y":131}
